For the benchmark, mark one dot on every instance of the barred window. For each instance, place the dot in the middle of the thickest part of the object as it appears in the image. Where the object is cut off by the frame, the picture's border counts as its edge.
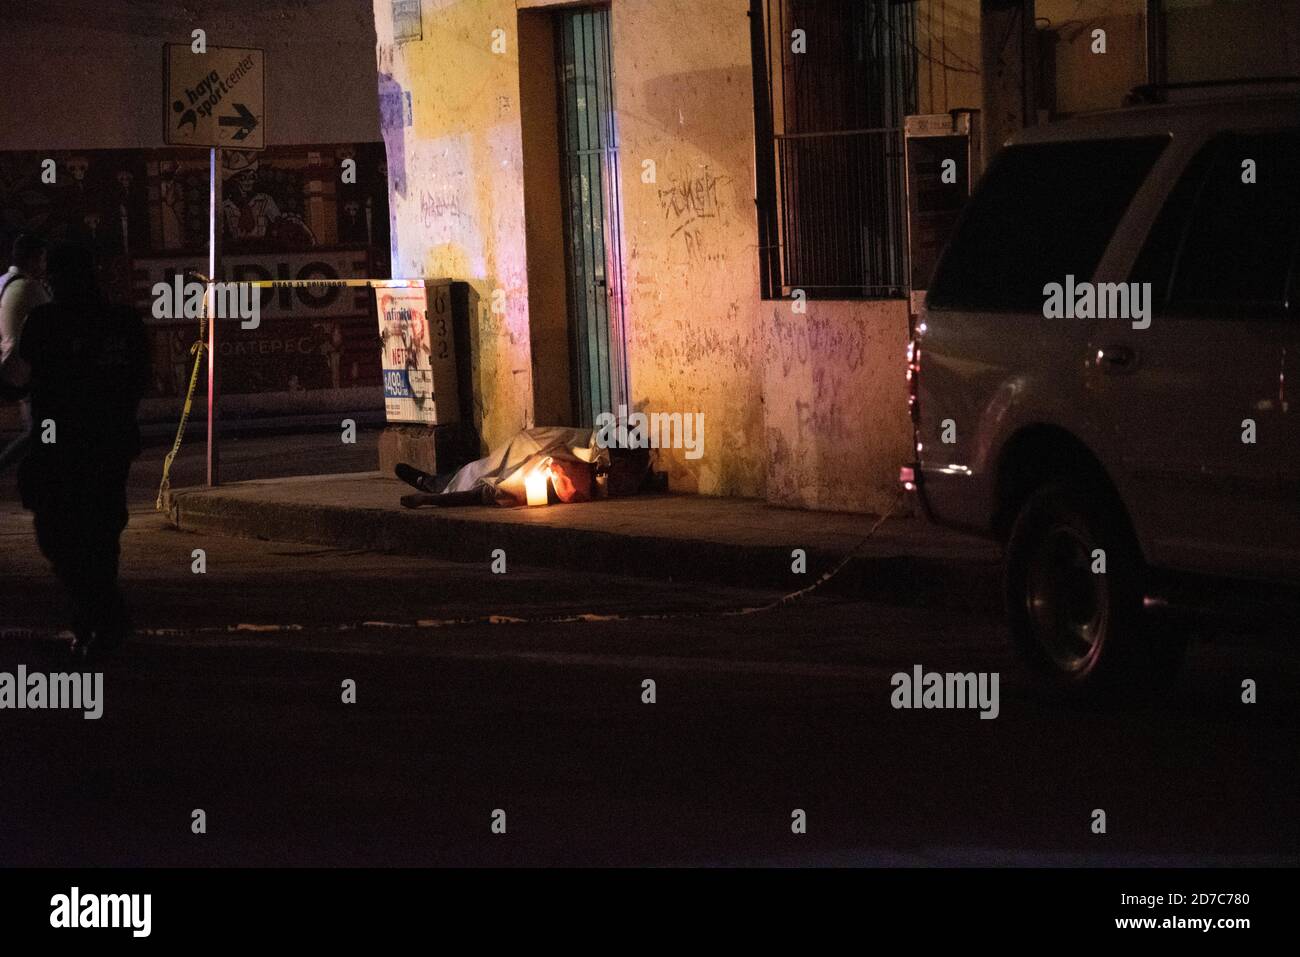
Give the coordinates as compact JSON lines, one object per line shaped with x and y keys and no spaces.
{"x":833,"y":81}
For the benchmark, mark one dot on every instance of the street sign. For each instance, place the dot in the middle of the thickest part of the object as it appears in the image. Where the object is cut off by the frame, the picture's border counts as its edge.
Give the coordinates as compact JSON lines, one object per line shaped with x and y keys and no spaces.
{"x":214,"y":99}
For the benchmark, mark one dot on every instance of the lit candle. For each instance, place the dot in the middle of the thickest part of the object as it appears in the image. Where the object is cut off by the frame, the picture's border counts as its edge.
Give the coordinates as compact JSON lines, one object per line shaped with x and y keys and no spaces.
{"x":535,"y":486}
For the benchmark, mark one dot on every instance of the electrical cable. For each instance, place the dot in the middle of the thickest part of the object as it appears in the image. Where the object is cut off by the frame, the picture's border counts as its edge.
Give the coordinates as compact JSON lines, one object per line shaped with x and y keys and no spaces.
{"x":572,"y":618}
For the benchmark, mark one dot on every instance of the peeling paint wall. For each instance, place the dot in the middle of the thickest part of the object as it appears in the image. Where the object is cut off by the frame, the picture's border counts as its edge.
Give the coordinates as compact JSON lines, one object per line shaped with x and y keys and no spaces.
{"x":456,"y":190}
{"x":806,"y":410}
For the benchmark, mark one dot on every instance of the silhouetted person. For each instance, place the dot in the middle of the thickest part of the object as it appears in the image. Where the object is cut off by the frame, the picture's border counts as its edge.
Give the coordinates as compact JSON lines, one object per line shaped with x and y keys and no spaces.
{"x":21,"y":291}
{"x":89,"y":366}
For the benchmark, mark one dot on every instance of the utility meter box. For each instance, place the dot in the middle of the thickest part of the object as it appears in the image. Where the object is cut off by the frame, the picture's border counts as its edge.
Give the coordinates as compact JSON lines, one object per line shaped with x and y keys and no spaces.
{"x":417,"y":339}
{"x":942,"y":161}
{"x":426,"y":340}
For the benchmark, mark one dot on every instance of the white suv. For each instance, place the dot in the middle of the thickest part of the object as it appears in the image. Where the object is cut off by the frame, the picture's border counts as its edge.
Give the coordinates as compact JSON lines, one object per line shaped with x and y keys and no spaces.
{"x":1158,"y":429}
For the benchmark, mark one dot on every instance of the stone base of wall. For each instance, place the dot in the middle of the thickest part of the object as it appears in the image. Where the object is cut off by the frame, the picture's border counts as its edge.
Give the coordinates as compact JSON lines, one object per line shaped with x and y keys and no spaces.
{"x":433,"y":449}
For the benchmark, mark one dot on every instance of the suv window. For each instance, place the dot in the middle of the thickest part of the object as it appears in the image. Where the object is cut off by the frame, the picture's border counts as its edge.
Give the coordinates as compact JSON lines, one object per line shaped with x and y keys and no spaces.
{"x":1043,"y":211}
{"x":1155,"y":264}
{"x":1240,"y":238}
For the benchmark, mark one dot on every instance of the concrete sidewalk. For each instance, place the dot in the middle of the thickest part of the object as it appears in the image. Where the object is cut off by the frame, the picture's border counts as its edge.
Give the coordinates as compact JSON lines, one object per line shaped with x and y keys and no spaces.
{"x":687,"y":538}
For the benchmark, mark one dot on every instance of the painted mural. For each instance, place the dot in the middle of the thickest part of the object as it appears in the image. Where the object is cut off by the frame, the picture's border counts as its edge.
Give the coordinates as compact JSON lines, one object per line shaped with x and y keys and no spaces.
{"x":286,"y":213}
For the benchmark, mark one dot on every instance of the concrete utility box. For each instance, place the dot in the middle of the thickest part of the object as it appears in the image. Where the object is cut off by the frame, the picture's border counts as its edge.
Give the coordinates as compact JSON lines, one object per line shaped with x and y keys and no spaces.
{"x":426,"y":341}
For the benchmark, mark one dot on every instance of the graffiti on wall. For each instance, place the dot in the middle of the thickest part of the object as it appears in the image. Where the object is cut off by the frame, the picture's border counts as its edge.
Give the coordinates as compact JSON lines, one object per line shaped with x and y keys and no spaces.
{"x":691,"y":203}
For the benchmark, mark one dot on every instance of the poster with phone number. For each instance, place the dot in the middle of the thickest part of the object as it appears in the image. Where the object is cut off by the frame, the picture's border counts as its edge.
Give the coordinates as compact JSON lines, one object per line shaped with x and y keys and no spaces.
{"x":417,"y":358}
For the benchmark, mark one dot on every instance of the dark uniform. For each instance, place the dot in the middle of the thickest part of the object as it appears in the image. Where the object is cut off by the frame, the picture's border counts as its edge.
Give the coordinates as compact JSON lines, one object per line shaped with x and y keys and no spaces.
{"x":89,"y":367}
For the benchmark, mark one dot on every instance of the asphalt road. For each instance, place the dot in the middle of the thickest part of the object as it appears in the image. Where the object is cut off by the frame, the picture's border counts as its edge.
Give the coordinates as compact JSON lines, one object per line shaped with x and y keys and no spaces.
{"x":230,"y":701}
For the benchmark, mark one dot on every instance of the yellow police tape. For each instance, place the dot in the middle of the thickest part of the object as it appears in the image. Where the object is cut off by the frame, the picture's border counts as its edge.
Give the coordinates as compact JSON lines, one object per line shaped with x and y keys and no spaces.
{"x":196,"y":350}
{"x":200,"y":346}
{"x":318,"y":283}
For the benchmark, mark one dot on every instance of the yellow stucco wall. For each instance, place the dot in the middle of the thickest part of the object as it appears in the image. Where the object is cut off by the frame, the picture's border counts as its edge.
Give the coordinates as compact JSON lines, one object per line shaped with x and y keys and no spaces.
{"x":807,"y":410}
{"x":683,"y":88}
{"x":948,"y":55}
{"x":1086,"y":78}
{"x":1248,"y":38}
{"x":457,"y":189}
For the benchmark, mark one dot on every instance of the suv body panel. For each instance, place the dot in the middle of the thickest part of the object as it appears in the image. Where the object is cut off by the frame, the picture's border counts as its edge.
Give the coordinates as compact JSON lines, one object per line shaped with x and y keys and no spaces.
{"x":1167,"y":431}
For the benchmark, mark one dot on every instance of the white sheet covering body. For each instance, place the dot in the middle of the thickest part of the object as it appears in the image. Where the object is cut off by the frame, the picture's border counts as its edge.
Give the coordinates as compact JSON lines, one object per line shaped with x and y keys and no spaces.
{"x":504,"y":468}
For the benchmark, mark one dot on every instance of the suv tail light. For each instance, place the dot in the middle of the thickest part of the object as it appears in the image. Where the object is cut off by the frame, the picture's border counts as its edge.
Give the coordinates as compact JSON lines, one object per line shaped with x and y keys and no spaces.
{"x":913,"y":375}
{"x":907,"y":475}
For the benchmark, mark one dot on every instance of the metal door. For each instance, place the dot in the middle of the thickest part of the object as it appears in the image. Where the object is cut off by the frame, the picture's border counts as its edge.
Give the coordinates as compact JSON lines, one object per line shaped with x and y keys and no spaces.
{"x":589,"y":148}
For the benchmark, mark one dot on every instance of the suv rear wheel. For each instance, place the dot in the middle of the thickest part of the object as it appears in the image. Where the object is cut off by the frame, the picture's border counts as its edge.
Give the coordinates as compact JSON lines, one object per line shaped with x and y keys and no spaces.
{"x":1081,"y":629}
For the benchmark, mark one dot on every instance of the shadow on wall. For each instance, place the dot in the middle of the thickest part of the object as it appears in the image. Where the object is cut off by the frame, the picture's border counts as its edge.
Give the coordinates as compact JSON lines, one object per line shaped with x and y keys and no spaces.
{"x":718,"y":101}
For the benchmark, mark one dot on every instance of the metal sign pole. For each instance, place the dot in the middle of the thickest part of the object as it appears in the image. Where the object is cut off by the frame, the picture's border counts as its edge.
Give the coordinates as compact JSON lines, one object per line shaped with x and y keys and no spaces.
{"x":228,"y":85}
{"x":214,"y":275}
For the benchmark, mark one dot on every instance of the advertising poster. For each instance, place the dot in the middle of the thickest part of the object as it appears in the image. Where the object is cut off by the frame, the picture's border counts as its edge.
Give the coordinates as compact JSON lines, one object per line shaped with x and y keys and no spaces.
{"x":417,"y":357}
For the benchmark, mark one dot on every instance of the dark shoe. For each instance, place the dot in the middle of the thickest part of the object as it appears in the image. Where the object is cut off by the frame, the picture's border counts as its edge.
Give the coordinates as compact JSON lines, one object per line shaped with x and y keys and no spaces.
{"x":414,"y":477}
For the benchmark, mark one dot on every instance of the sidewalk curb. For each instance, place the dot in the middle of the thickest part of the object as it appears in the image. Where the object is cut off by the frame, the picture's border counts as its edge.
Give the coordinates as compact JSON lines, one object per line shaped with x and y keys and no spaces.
{"x":897,"y":579}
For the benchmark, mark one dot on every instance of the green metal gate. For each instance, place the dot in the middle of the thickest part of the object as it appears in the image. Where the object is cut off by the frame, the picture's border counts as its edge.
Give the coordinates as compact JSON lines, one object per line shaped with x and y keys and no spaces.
{"x":589,"y":147}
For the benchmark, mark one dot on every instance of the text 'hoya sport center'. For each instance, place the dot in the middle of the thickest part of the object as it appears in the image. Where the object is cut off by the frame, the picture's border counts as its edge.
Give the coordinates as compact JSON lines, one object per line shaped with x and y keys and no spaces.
{"x":211,"y":90}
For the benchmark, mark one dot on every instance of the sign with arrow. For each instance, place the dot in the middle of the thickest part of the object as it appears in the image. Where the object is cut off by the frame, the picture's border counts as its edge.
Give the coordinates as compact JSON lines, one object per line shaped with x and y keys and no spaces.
{"x":243,"y":120}
{"x":214,"y":99}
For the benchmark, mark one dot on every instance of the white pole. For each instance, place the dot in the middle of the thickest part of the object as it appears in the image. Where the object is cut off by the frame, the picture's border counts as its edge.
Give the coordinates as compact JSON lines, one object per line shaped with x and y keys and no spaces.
{"x":214,"y":274}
